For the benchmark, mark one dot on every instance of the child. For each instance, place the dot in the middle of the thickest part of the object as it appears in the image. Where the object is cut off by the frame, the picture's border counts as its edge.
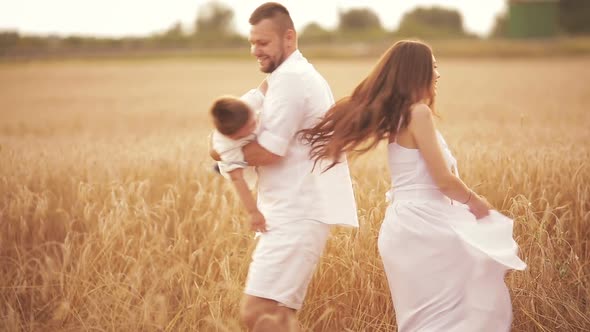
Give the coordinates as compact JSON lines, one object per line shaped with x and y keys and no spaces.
{"x":235,"y":123}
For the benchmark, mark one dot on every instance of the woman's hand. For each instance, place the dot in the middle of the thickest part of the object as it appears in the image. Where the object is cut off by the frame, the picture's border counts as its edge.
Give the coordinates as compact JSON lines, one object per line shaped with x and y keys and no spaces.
{"x":479,"y":206}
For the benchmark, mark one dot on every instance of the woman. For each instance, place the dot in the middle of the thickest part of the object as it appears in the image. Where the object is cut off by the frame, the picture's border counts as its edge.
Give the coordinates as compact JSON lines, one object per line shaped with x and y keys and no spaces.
{"x":445,"y":251}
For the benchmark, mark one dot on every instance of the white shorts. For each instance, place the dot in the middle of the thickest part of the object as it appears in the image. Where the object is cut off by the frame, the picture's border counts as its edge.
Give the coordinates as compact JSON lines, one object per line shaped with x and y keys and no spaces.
{"x":284,"y":261}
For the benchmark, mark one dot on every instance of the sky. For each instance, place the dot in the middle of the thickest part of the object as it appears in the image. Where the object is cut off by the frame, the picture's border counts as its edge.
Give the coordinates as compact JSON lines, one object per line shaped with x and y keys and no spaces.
{"x":118,"y":18}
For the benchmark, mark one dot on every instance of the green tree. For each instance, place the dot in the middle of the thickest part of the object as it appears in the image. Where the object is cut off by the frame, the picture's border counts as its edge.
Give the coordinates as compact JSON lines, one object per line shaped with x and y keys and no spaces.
{"x":574,"y":16}
{"x":432,"y":22}
{"x":500,"y":29}
{"x":216,"y":19}
{"x":359,"y":19}
{"x":8,"y":40}
{"x":174,"y":31}
{"x":315,"y":33}
{"x":172,"y":37}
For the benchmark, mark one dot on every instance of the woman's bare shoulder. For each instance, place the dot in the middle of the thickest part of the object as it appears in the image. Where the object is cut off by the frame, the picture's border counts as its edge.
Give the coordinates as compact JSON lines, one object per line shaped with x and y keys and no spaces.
{"x":420,"y":112}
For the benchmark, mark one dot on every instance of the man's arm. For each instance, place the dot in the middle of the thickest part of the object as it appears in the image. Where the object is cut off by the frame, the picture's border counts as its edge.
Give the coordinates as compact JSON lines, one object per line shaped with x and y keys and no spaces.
{"x":285,"y":99}
{"x":256,"y":155}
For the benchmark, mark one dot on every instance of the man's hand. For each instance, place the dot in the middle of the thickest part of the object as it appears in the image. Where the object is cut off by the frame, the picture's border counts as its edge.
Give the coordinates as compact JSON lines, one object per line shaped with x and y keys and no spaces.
{"x":257,"y":222}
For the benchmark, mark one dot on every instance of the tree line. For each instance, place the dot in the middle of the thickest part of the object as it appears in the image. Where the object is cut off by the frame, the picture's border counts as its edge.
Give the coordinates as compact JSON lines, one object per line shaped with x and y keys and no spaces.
{"x":214,"y":28}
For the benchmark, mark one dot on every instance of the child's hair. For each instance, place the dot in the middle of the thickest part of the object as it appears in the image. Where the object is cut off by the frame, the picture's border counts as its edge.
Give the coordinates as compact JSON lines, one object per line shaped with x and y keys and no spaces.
{"x":229,"y":115}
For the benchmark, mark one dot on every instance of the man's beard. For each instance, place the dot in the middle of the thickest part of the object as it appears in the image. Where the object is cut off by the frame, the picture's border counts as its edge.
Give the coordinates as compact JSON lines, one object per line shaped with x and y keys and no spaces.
{"x":270,"y":68}
{"x":273,"y":65}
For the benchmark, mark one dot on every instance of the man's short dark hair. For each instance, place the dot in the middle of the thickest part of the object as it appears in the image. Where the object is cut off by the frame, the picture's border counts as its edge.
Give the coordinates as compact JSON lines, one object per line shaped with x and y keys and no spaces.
{"x":229,"y":114}
{"x":274,"y":11}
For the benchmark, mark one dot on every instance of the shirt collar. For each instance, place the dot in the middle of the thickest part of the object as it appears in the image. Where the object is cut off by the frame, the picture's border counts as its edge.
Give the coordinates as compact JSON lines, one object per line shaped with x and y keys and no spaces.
{"x":289,"y":61}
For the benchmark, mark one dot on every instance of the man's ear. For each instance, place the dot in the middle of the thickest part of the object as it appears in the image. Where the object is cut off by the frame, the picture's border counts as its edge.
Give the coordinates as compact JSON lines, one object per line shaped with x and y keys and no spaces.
{"x":290,"y":36}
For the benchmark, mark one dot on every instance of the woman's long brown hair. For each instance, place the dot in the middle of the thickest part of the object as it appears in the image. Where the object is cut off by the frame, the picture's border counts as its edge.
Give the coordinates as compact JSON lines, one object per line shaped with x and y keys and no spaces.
{"x":402,"y":77}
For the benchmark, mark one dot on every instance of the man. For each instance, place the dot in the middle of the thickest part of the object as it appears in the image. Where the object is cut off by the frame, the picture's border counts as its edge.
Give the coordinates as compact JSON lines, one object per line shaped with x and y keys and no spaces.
{"x":298,"y":201}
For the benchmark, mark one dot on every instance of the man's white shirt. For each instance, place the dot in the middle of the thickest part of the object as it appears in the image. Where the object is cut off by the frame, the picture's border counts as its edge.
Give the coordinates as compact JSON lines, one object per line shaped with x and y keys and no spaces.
{"x":289,"y":190}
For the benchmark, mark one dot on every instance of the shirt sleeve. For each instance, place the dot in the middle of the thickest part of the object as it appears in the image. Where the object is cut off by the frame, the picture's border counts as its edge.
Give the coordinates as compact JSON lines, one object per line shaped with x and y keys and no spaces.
{"x":230,"y":153}
{"x":283,"y":113}
{"x":229,"y":150}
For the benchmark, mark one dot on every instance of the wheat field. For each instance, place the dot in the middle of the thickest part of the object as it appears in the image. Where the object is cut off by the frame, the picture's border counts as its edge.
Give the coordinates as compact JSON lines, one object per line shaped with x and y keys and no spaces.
{"x":112,"y":220}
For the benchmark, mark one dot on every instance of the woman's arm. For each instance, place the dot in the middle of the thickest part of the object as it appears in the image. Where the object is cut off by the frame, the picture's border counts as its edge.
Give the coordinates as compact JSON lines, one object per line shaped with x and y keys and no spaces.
{"x":424,"y":133}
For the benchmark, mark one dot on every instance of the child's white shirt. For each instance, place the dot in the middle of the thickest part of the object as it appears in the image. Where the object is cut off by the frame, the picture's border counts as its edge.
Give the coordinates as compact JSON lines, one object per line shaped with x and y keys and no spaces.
{"x":230,"y":150}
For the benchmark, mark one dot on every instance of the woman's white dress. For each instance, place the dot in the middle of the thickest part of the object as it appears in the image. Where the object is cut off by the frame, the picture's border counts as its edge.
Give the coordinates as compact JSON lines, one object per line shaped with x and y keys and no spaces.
{"x":445,"y":268}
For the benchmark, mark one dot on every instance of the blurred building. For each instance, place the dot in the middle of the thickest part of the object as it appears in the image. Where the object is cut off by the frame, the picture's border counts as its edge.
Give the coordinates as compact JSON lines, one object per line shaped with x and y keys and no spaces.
{"x":533,"y":18}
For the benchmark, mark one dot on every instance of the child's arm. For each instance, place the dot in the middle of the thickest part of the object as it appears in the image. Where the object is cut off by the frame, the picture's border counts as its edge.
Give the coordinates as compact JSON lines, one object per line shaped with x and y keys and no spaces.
{"x":257,"y":221}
